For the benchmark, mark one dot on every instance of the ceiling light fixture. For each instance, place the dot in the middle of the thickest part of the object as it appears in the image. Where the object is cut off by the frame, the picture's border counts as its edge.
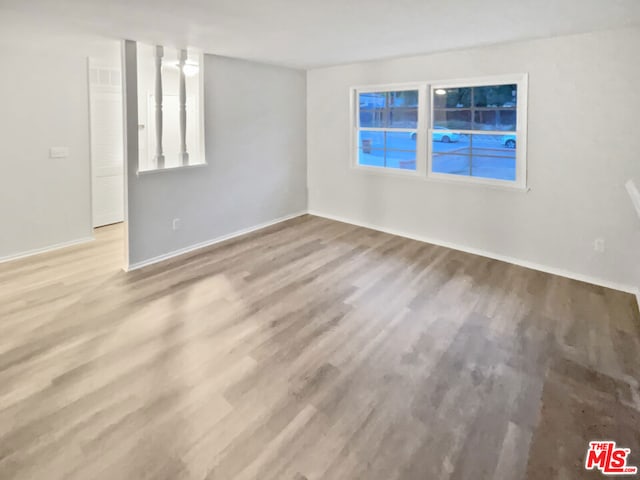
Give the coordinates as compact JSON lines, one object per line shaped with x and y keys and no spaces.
{"x":190,"y":69}
{"x":441,"y":91}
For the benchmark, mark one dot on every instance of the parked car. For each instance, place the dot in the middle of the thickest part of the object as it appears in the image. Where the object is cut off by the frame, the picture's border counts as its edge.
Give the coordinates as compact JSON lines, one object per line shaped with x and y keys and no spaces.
{"x":509,"y":141}
{"x":441,"y":134}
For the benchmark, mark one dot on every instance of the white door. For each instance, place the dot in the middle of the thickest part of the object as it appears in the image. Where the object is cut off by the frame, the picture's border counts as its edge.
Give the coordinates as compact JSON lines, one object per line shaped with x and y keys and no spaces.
{"x":107,"y":144}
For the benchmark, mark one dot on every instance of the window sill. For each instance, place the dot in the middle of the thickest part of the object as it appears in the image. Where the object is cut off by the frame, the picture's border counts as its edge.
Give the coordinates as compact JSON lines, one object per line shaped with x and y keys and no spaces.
{"x":144,"y":173}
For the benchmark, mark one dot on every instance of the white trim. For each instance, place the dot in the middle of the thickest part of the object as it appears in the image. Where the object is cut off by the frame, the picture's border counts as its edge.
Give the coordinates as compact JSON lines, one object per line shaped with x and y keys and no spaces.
{"x":483,"y":253}
{"x":50,"y":248}
{"x":208,"y":243}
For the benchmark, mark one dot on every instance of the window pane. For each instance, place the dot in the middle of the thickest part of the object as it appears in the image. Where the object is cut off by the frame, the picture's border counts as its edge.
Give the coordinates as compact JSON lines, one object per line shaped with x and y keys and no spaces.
{"x":452,"y":98}
{"x":444,"y":140}
{"x":401,"y":141}
{"x":389,"y":109}
{"x":389,"y":158}
{"x":497,"y":168}
{"x":373,"y":100}
{"x":498,"y":119}
{"x":490,"y":107}
{"x":371,"y":157}
{"x":374,"y":118}
{"x":387,"y":149}
{"x":399,"y":159}
{"x":495,"y":96}
{"x":451,"y":164}
{"x":460,"y":120}
{"x":371,"y":140}
{"x":494,"y":156}
{"x":403,"y":118}
{"x":493,"y":145}
{"x":404,"y":98}
{"x":486,"y":156}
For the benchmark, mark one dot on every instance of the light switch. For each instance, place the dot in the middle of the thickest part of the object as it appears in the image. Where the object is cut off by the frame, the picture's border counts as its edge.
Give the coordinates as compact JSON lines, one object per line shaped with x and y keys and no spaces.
{"x":58,"y":152}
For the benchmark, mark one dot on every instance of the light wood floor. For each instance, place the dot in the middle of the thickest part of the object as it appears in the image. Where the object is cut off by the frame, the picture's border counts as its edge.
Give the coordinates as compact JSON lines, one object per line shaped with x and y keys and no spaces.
{"x":309,"y":350}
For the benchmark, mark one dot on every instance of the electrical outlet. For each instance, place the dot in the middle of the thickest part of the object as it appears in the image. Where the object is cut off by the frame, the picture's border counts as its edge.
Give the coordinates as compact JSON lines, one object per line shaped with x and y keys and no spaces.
{"x":598,"y":245}
{"x":176,"y":224}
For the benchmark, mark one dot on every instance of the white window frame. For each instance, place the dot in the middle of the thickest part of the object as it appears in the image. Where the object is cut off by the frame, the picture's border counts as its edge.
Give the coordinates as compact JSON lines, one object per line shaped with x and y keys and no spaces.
{"x":521,"y":119}
{"x":425,"y":126}
{"x":421,"y":163}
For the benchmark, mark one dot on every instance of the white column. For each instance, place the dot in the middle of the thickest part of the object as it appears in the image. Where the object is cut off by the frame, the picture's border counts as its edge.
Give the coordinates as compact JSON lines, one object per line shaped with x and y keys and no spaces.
{"x":158,"y":100}
{"x":184,"y":156}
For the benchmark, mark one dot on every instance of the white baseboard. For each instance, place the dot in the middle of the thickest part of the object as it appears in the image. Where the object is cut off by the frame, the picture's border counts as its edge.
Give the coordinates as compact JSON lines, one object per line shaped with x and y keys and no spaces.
{"x":523,"y":263}
{"x":208,"y":243}
{"x":50,"y":248}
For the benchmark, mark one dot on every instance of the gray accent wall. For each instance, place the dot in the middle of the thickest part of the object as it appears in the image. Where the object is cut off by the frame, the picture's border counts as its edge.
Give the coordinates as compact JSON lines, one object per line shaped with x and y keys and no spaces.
{"x":255,"y":142}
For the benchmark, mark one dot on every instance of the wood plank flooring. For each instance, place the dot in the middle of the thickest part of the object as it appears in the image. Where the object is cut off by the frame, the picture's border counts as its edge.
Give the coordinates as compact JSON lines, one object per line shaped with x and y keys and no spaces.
{"x":309,"y":350}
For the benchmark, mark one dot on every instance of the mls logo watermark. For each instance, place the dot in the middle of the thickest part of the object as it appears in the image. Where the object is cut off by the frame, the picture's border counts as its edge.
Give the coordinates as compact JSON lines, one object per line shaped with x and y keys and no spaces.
{"x":610,"y":460}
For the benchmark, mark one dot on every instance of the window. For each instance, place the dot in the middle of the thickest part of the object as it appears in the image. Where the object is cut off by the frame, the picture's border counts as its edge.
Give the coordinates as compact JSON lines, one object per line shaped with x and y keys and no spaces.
{"x":170,"y":108}
{"x":387,"y":123}
{"x":473,"y":130}
{"x":476,"y":129}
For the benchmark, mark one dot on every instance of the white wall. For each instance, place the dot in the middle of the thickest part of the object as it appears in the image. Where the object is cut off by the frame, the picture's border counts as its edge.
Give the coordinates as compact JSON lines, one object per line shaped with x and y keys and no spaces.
{"x":255,"y":137}
{"x":44,"y":97}
{"x":584,"y":143}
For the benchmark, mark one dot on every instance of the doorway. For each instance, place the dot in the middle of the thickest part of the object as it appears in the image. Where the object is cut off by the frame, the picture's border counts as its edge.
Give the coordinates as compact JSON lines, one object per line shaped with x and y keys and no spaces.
{"x":107,"y":143}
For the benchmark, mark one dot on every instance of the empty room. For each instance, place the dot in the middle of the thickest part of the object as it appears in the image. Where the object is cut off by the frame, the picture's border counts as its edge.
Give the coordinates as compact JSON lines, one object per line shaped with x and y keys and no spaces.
{"x":319,"y":240}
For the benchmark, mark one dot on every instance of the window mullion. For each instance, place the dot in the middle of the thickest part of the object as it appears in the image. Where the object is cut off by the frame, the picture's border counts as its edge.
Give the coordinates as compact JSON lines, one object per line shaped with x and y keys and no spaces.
{"x":387,"y":123}
{"x":473,"y":125}
{"x":472,"y":106}
{"x":384,"y":134}
{"x":471,"y":151}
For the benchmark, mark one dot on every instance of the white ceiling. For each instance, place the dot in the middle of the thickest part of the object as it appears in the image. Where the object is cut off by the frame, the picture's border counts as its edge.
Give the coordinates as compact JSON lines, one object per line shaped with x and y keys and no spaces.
{"x":312,"y":33}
